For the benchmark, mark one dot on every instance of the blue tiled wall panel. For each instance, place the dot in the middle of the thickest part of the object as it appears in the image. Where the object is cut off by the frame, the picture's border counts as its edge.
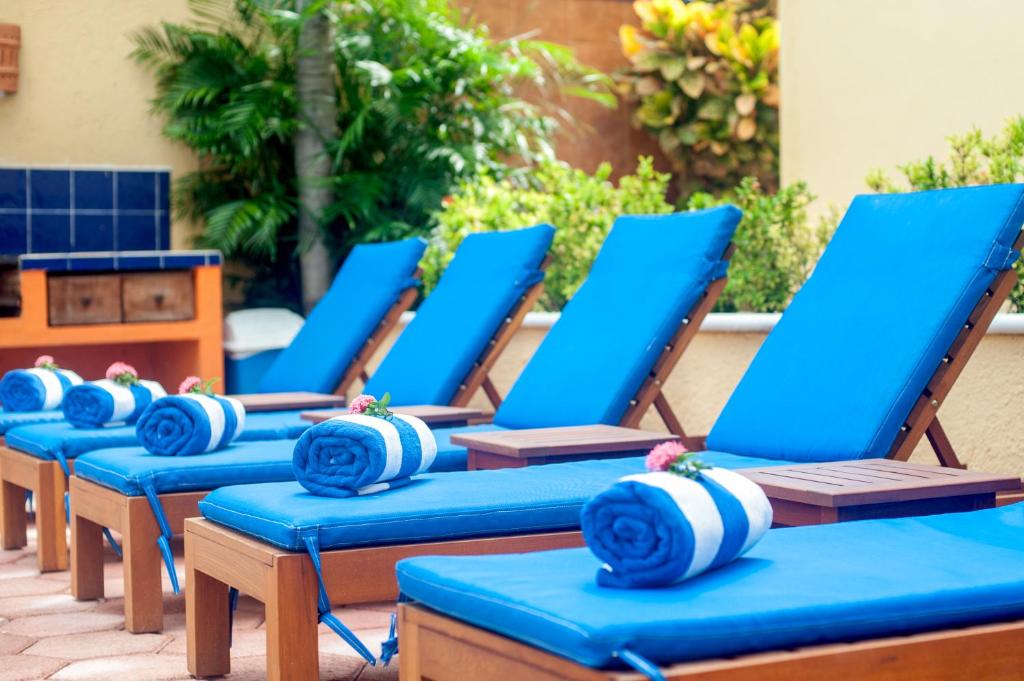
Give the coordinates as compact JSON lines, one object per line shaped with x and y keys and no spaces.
{"x":73,"y":210}
{"x":123,"y":261}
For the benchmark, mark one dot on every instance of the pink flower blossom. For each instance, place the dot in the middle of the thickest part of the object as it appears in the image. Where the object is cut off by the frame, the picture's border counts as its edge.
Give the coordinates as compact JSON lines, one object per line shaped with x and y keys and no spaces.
{"x":664,"y":455}
{"x":359,"y":404}
{"x":117,"y":369}
{"x":45,"y":361}
{"x":189,"y":385}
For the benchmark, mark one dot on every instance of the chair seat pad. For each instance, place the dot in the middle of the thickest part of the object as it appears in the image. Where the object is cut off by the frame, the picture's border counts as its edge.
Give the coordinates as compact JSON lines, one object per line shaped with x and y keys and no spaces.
{"x":799,"y":586}
{"x":13,"y":419}
{"x":127,"y":469}
{"x":52,"y":440}
{"x":434,"y":507}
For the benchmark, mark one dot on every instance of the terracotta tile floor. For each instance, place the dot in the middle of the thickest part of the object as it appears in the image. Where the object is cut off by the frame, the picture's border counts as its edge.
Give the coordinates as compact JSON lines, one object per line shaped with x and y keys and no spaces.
{"x":46,"y":634}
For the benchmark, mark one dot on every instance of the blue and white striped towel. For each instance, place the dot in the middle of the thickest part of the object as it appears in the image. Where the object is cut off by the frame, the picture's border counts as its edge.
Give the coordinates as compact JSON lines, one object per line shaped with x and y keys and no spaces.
{"x":658,"y":529}
{"x":36,"y":389}
{"x":182,"y":425}
{"x":103,"y":402}
{"x":355,"y":454}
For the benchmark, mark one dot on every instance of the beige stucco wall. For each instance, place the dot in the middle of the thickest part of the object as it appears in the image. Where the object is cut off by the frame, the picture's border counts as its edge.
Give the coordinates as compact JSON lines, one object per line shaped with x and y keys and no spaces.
{"x":877,"y":83}
{"x":81,"y":99}
{"x":982,"y":415}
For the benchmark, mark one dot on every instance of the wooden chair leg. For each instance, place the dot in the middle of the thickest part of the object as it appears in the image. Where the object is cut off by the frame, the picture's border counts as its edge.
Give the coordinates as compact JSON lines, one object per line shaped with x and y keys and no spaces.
{"x":409,"y":662}
{"x":13,"y":516}
{"x":492,"y":392}
{"x":143,"y":589}
{"x":86,"y":559}
{"x":292,"y":650}
{"x":942,"y":446}
{"x":51,"y":523}
{"x":207,"y":622}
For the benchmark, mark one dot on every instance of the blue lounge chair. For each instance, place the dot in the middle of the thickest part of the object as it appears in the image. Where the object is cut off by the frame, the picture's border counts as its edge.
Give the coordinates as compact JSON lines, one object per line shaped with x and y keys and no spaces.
{"x":498,"y":275}
{"x":910,"y":598}
{"x":343,"y":336}
{"x":930,"y":268}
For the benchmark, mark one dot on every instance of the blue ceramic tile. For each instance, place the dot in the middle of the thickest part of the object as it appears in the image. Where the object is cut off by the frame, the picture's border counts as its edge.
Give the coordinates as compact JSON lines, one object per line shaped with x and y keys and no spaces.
{"x":90,"y":264}
{"x":136,"y":233}
{"x":178,"y":262}
{"x":12,"y":188}
{"x":50,"y":189}
{"x":138,"y":262}
{"x":164,"y":230}
{"x":164,"y":184}
{"x":13,"y":234}
{"x":50,"y":233}
{"x":53,"y":264}
{"x":94,"y":232}
{"x":136,"y":190}
{"x":213,"y":258}
{"x":94,"y":189}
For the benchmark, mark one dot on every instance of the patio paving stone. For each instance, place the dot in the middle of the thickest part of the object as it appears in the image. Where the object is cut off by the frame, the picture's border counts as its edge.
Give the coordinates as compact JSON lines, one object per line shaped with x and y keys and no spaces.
{"x":27,"y":667}
{"x":98,"y":644}
{"x":63,"y":624}
{"x":10,"y":645}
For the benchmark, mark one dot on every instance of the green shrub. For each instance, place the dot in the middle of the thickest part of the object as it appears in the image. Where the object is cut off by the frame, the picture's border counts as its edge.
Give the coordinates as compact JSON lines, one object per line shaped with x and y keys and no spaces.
{"x":776,"y":245}
{"x":704,"y":76}
{"x":973,"y":160}
{"x":581,"y":206}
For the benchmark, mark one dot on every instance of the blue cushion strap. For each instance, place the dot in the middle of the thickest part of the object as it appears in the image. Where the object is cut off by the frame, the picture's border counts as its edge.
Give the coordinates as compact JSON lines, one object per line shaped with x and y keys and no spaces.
{"x":312,"y":542}
{"x":389,"y":647}
{"x":164,"y":540}
{"x":113,"y":542}
{"x":640,"y":663}
{"x":67,"y":518}
{"x":1001,"y":257}
{"x":719,"y":269}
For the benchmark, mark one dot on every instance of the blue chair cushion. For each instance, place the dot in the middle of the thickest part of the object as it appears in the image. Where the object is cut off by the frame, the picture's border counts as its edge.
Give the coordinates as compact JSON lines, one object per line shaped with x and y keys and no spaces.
{"x":797,"y":587}
{"x":56,"y":440}
{"x":839,"y":374}
{"x":369,"y":282}
{"x":648,"y":275}
{"x":13,"y":419}
{"x":435,"y":506}
{"x":128,"y":469}
{"x":451,"y":330}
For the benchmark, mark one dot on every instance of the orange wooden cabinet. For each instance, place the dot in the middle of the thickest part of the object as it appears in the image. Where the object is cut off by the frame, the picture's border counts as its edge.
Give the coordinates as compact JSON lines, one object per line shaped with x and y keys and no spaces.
{"x":166,"y":351}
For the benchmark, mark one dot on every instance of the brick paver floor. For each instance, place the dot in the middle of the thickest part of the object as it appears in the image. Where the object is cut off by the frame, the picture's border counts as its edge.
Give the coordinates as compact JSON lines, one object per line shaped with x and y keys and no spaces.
{"x":46,"y":634}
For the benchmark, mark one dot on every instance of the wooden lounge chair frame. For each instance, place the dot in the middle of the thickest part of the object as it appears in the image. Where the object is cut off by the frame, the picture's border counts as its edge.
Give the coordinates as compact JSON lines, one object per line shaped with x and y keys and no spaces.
{"x":94,"y":507}
{"x":440,"y":648}
{"x":217,"y":558}
{"x":20,"y":472}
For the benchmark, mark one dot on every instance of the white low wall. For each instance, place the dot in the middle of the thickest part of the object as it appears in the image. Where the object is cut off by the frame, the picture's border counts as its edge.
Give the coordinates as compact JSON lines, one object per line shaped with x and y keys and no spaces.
{"x":982,"y":415}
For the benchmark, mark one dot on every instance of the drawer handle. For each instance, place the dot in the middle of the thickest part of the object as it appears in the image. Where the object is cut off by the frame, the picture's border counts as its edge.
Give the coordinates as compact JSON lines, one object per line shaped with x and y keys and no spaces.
{"x":86,"y":301}
{"x":159,"y":299}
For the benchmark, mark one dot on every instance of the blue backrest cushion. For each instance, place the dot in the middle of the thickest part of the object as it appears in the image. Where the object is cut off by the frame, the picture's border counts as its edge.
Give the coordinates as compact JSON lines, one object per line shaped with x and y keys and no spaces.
{"x":839,"y":374}
{"x":650,"y":272}
{"x":452,"y":328}
{"x":369,"y":282}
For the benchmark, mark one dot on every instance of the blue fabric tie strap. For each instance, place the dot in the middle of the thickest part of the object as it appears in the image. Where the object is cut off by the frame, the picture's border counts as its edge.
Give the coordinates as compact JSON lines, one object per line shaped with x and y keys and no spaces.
{"x":312,"y":543}
{"x":389,"y":646}
{"x":36,"y":389}
{"x":99,"y":403}
{"x":113,"y":542}
{"x":164,"y":540}
{"x":641,"y":664}
{"x":355,"y":454}
{"x":1001,"y":257}
{"x":183,"y":425}
{"x":658,"y":529}
{"x":719,"y":269}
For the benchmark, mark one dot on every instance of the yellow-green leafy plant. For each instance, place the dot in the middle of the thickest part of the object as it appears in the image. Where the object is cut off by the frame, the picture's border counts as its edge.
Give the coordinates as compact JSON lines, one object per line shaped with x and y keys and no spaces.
{"x":582,"y":207}
{"x":973,"y":160}
{"x":704,"y":80}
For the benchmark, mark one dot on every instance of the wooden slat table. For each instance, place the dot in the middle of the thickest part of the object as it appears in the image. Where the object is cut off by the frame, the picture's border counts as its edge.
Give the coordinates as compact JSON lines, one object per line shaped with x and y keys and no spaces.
{"x":532,"y":446}
{"x":811,"y":494}
{"x":433,"y":415}
{"x":255,"y":402}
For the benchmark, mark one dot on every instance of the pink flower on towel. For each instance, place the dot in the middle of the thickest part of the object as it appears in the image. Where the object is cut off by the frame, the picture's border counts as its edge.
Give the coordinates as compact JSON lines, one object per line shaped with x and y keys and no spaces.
{"x":191,"y":384}
{"x":122,"y":373}
{"x":45,"y":362}
{"x":361,"y":403}
{"x":664,"y":455}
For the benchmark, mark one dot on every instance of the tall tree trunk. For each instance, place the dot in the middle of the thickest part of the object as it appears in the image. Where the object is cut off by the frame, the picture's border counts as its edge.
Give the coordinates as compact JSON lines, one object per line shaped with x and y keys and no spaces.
{"x":318,"y":113}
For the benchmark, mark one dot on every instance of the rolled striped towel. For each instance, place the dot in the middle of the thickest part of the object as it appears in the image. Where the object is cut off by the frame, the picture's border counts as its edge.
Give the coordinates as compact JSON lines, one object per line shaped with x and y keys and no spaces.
{"x":98,"y":403}
{"x":36,"y":389}
{"x":356,"y":454}
{"x":657,"y":529}
{"x":182,"y":425}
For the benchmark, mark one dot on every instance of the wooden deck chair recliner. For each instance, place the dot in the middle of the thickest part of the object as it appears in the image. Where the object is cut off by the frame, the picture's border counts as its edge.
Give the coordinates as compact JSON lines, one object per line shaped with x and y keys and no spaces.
{"x":343,"y":335}
{"x":955,"y":282}
{"x":146,"y":496}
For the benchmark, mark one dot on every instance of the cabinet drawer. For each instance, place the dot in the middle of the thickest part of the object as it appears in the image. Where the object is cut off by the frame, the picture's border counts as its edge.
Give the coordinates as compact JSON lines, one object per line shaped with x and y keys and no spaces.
{"x":158,"y":296}
{"x":84,"y":299}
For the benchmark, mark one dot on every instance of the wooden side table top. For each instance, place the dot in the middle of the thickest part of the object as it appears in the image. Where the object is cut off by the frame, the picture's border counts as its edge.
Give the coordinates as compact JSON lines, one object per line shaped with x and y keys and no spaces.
{"x":256,"y":402}
{"x":872,"y":488}
{"x":434,"y":415}
{"x":545,"y":445}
